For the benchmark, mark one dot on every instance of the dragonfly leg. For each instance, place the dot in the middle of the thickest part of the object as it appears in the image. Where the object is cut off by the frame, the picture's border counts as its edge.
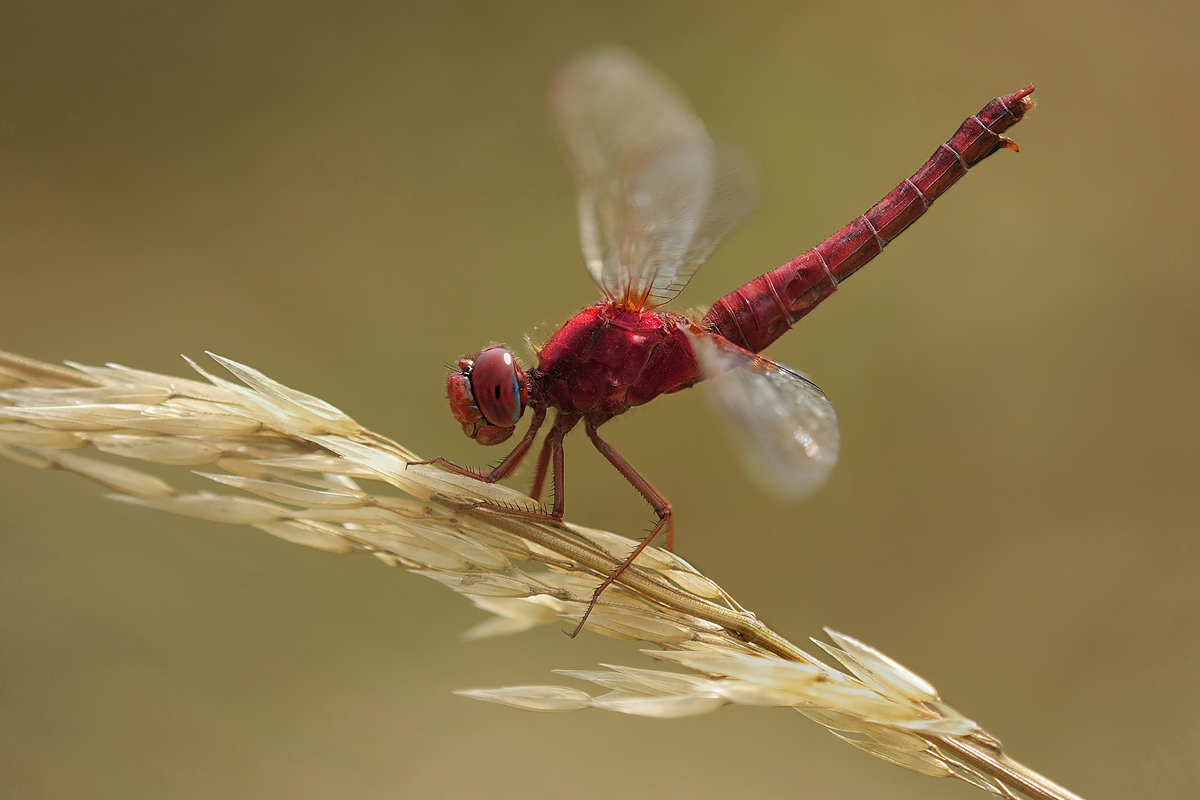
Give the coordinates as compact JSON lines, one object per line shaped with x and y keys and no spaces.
{"x":661,"y":507}
{"x":554,"y":446}
{"x":659,"y":503}
{"x":505,"y":467}
{"x":604,"y":584}
{"x":539,"y":477}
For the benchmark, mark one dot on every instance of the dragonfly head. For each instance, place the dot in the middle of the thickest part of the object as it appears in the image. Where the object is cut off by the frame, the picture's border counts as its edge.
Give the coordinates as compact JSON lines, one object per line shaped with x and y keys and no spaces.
{"x":488,"y":394}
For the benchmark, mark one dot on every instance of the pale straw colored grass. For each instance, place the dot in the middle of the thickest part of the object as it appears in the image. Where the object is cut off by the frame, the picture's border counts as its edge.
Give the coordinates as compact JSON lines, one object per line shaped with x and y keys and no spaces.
{"x":298,"y":463}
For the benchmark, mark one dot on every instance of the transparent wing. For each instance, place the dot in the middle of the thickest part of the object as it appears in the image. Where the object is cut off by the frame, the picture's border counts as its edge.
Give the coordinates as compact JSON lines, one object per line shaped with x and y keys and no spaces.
{"x":785,"y":423}
{"x":656,"y":195}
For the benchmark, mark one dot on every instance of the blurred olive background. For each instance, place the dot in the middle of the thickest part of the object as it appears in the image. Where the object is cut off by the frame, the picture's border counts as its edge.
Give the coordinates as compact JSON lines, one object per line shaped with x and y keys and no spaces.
{"x":350,"y":198}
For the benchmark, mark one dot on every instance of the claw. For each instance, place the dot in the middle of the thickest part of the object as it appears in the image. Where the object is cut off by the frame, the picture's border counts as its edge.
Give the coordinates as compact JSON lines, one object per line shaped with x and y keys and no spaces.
{"x":626,"y":564}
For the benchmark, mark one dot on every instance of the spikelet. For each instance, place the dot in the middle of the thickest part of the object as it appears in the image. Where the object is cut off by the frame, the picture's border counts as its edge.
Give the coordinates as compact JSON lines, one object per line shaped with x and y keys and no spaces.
{"x":298,"y":465}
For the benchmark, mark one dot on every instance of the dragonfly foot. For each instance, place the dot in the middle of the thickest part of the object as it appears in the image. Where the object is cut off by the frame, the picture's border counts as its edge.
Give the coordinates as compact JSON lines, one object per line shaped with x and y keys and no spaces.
{"x":618,"y":572}
{"x":592,"y":604}
{"x":451,"y":467}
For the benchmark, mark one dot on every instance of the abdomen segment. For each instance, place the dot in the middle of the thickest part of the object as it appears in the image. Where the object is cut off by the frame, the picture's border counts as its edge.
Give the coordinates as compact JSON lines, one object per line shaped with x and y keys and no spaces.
{"x":760,"y":312}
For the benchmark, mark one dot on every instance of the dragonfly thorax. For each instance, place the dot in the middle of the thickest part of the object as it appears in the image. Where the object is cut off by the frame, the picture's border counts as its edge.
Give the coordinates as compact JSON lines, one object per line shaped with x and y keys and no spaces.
{"x":607,"y":359}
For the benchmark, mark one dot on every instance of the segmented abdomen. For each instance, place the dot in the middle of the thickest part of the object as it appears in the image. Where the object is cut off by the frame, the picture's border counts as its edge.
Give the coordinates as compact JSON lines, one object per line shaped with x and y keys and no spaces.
{"x":760,"y":312}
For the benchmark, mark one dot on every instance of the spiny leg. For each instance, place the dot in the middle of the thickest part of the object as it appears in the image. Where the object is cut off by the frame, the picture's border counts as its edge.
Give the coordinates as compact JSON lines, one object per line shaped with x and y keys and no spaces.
{"x":659,"y":503}
{"x":563,"y":423}
{"x":604,"y":584}
{"x":505,"y":467}
{"x":539,"y":477}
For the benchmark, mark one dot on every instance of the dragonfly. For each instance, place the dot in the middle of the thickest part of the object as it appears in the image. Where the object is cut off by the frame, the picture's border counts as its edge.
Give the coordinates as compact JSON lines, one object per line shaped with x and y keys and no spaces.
{"x":656,"y":195}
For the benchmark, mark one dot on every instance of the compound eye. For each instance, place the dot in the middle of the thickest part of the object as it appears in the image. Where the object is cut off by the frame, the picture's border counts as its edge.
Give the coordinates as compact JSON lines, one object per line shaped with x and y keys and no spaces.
{"x":498,"y":384}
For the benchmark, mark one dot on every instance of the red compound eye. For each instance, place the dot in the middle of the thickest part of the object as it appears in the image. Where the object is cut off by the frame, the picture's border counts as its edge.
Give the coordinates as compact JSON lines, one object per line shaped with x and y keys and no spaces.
{"x":498,"y":383}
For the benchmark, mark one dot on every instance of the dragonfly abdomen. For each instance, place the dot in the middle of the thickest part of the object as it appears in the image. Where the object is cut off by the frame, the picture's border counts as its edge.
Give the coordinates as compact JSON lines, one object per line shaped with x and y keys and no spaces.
{"x":760,"y":312}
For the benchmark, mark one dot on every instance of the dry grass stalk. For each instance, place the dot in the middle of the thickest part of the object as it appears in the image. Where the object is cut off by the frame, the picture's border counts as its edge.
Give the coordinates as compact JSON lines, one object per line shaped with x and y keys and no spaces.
{"x":302,"y":460}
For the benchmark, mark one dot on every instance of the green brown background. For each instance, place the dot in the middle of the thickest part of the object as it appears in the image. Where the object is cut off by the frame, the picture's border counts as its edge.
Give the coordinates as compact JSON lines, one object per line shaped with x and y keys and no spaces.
{"x":350,"y":199}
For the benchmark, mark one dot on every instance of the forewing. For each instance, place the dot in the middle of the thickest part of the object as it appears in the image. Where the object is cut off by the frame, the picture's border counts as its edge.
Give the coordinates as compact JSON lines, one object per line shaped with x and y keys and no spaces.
{"x":733,"y":195}
{"x":786,"y":424}
{"x":656,"y":195}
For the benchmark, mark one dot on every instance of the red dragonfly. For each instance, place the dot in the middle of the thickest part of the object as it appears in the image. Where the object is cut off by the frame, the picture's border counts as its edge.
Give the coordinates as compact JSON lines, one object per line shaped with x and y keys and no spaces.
{"x":656,"y":196}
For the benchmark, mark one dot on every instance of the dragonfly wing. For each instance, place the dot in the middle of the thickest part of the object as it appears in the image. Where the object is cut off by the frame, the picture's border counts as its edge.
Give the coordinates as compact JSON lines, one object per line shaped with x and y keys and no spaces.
{"x":786,"y":424}
{"x":656,"y":195}
{"x":733,"y":194}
